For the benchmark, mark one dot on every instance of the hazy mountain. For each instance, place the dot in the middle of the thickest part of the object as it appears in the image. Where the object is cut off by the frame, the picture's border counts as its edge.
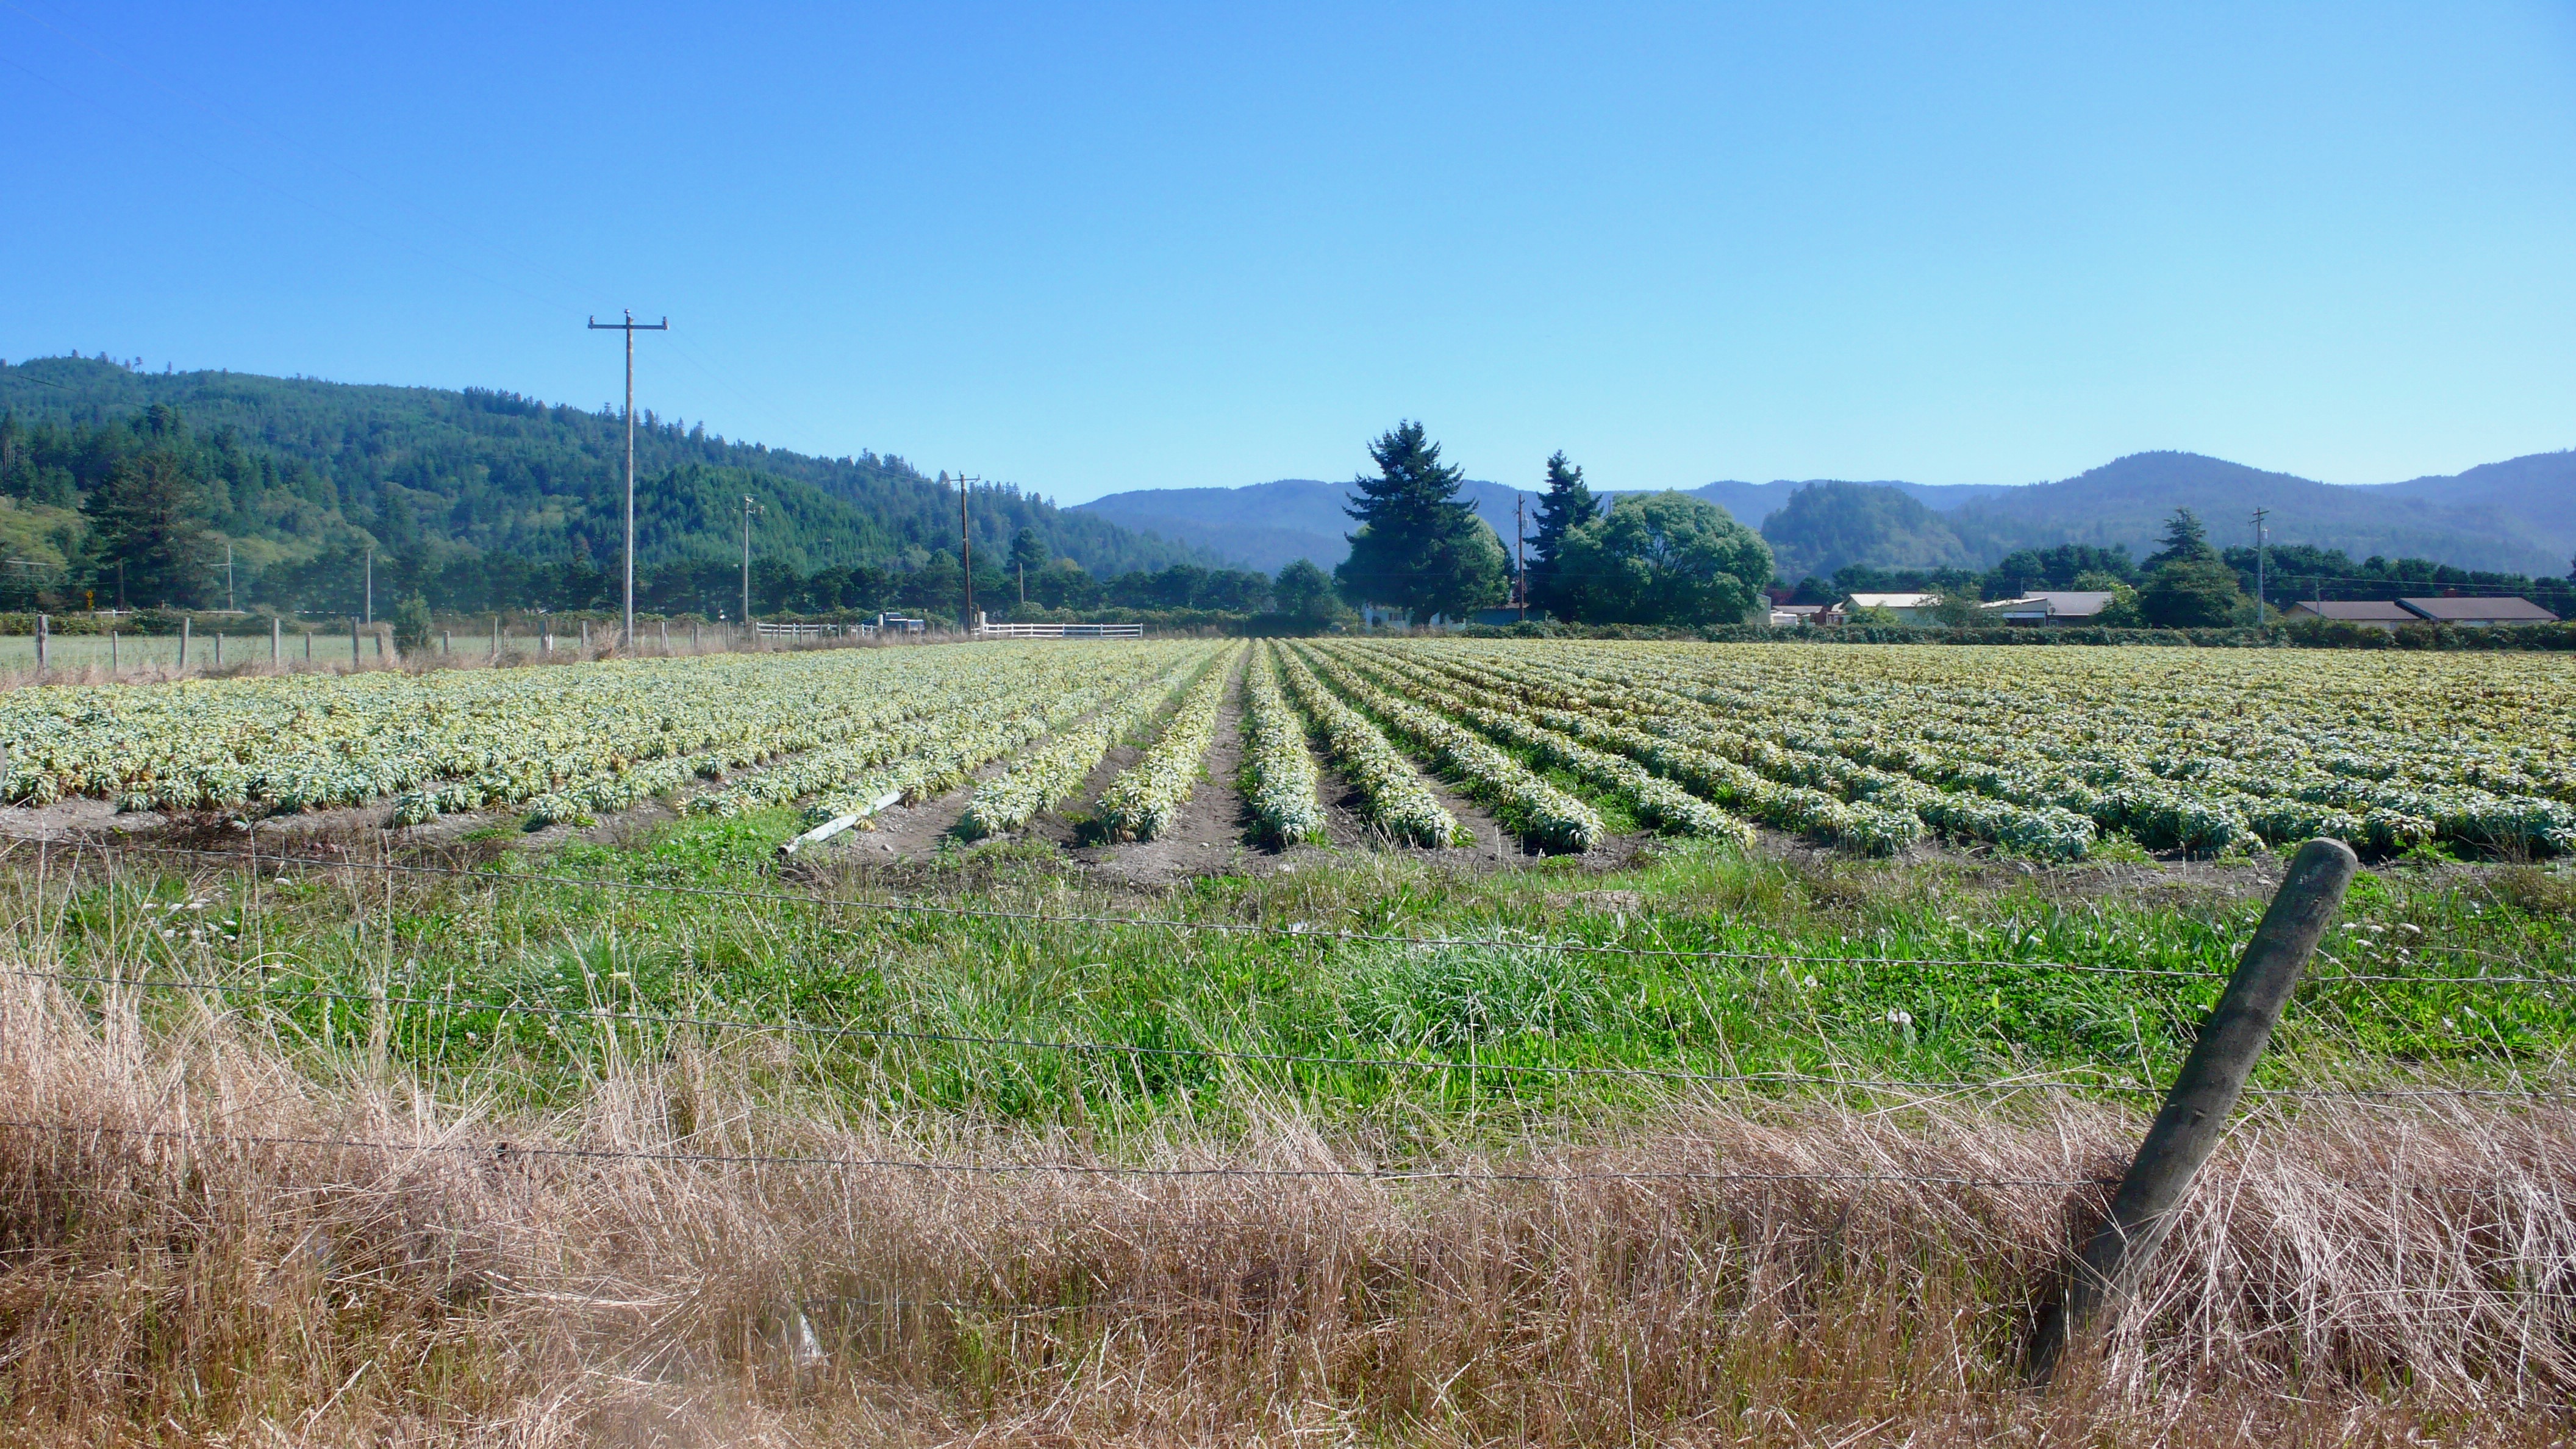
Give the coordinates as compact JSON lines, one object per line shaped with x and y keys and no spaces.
{"x":1824,"y":526}
{"x":2517,"y":516}
{"x":1267,"y":526}
{"x":2512,"y":516}
{"x":1754,"y":503}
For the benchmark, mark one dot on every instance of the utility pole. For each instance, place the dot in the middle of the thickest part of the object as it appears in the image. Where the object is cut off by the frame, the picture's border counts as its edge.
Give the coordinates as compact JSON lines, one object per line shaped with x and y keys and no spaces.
{"x":1520,"y":555}
{"x":371,"y":586}
{"x":2259,"y":515}
{"x":229,"y":606}
{"x":748,"y":509}
{"x":630,"y":327}
{"x":966,"y":553}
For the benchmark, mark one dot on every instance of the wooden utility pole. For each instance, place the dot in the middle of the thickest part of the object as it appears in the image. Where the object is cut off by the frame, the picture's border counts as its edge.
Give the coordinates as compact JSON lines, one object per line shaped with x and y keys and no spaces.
{"x":2204,"y":1093}
{"x":630,"y":327}
{"x":748,"y":509}
{"x":2259,"y":515}
{"x":966,"y":553}
{"x":1520,"y":555}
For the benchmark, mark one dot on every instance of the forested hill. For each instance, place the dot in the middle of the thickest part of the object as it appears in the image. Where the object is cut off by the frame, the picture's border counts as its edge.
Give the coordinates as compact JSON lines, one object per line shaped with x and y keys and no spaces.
{"x":292,"y":469}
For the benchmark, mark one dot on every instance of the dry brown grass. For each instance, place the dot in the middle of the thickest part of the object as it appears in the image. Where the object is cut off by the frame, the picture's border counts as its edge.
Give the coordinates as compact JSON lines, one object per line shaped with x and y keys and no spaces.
{"x":2352,"y":1274}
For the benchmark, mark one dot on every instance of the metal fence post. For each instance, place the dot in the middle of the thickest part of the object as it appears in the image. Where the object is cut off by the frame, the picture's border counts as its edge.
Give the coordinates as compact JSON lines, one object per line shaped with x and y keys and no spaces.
{"x":276,"y":641}
{"x":2195,"y":1113}
{"x":184,"y":624}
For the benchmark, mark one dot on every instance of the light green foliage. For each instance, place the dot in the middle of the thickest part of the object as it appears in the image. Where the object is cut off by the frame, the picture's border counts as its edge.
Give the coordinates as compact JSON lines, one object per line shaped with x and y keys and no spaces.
{"x":1665,"y":558}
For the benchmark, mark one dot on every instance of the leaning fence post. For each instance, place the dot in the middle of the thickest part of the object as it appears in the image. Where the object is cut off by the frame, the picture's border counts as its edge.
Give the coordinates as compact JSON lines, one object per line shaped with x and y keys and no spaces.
{"x":2195,"y":1113}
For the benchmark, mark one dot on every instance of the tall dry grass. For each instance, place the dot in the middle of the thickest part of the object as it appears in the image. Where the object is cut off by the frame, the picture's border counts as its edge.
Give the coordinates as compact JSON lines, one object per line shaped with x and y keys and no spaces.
{"x":2349,"y":1273}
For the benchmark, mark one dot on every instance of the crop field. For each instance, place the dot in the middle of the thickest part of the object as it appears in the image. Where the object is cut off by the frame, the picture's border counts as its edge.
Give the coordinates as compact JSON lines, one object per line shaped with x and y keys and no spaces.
{"x":1392,"y":1040}
{"x":2047,"y":755}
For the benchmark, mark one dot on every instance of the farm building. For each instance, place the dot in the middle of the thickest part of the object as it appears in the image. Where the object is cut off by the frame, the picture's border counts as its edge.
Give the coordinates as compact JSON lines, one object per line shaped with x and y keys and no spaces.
{"x":2373,"y":613}
{"x":2478,"y":613}
{"x":2058,"y":606}
{"x":1785,"y":616}
{"x":1908,"y":608}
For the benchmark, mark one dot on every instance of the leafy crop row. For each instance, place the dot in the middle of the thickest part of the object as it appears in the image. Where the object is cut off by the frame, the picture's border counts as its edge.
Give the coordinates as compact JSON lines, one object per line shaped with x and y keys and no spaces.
{"x":1278,"y":771}
{"x":1392,"y":794}
{"x":1141,"y":802}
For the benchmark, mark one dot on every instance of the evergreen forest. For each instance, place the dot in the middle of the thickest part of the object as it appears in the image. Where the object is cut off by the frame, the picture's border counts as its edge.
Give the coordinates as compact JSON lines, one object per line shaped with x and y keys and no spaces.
{"x":216,"y":489}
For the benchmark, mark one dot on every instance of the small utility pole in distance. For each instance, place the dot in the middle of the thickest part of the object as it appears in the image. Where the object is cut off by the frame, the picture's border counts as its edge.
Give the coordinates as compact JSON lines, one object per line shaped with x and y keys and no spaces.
{"x":2259,"y":515}
{"x":229,"y":606}
{"x":371,"y":584}
{"x":1520,"y":556}
{"x":630,"y":327}
{"x":966,"y":553}
{"x":748,"y":509}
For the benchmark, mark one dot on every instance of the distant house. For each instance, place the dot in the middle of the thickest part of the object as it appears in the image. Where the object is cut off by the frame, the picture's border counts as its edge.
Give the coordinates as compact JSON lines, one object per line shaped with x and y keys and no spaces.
{"x":1908,"y":608}
{"x":2372,"y":613}
{"x":1790,"y":616}
{"x":2478,"y":613}
{"x":2055,"y":606}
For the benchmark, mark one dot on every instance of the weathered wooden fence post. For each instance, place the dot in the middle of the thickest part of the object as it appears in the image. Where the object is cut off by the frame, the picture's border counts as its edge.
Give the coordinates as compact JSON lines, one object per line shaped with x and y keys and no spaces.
{"x":44,"y":632}
{"x":2195,"y":1113}
{"x":356,"y":659}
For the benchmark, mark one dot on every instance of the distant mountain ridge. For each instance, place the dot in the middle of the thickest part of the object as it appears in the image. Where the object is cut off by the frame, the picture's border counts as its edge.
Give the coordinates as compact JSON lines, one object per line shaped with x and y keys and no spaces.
{"x":2516,"y":516}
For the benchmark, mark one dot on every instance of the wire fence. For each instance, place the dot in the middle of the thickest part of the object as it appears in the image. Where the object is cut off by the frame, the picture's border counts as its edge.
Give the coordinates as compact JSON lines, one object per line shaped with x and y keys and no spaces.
{"x":506,"y":1151}
{"x":266,"y":993}
{"x":1295,"y":930}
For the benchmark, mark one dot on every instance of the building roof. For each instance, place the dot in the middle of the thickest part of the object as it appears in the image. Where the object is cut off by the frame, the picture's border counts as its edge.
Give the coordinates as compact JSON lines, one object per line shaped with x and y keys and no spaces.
{"x":2075,"y":603}
{"x":2355,"y":611}
{"x":1894,"y":601}
{"x":1806,"y":608}
{"x":2455,"y":611}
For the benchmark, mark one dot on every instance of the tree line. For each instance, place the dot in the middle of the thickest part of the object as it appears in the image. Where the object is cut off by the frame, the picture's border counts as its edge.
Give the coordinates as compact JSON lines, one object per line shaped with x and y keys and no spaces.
{"x":1650,"y":558}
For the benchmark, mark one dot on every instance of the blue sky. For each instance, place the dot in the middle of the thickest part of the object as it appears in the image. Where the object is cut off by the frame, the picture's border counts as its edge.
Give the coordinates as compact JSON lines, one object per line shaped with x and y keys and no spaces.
{"x":1089,"y":248}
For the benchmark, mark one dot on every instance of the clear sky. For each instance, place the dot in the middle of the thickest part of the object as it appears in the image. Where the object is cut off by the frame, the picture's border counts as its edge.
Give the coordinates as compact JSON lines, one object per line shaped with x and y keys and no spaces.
{"x":1095,"y":247}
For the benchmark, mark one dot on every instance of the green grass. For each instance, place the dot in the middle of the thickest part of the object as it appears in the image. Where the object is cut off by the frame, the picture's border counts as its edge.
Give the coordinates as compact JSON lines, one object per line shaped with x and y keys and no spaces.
{"x":500,"y":937}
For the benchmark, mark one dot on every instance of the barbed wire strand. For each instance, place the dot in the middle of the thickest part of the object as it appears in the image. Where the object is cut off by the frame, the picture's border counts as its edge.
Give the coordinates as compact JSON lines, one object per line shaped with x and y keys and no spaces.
{"x":506,"y":1151}
{"x":1293,"y":931}
{"x":268,"y":992}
